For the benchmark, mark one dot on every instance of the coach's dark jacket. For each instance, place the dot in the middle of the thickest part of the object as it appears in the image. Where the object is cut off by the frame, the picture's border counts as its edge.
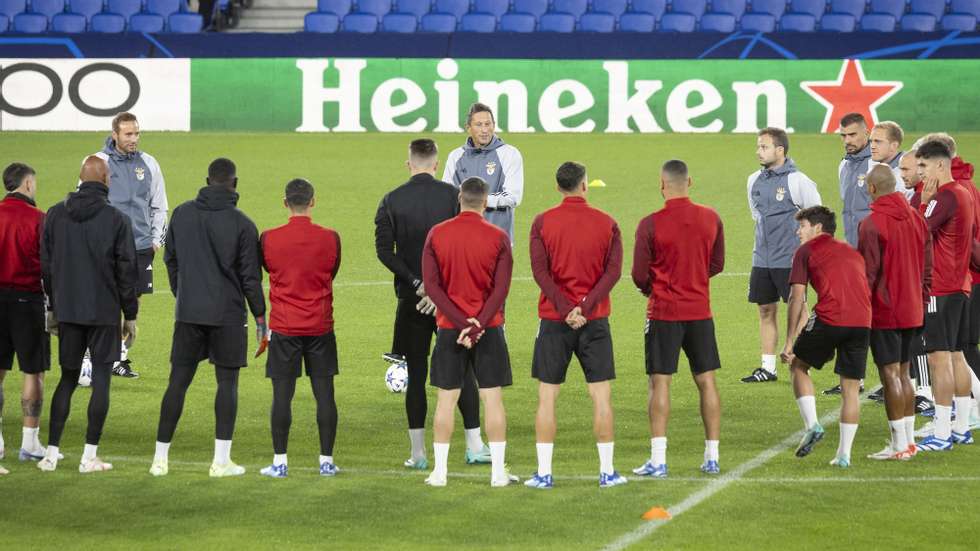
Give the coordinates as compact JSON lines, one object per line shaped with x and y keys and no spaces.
{"x":212,"y":257}
{"x":88,"y":259}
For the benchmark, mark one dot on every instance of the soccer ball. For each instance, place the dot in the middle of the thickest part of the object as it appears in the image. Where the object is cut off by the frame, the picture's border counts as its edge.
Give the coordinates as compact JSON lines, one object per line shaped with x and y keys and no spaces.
{"x":85,"y":377}
{"x":396,"y":377}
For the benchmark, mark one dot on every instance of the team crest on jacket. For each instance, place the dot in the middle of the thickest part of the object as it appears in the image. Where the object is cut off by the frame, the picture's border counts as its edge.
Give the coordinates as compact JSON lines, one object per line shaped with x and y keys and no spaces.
{"x":861,"y":180}
{"x":780,"y":193}
{"x":140,"y":173}
{"x":491,"y":168}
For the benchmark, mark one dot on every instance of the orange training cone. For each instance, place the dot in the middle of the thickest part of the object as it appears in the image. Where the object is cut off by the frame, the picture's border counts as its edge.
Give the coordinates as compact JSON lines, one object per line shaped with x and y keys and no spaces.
{"x":656,"y":513}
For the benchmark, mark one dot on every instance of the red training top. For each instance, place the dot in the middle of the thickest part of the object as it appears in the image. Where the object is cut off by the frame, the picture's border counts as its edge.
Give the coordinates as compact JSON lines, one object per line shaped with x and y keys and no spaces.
{"x":950,"y":219}
{"x":678,"y":248}
{"x":466,"y":268}
{"x":963,"y":174}
{"x":837,"y":274}
{"x":21,"y":225}
{"x":302,"y":259}
{"x":897,"y":249}
{"x":576,"y":258}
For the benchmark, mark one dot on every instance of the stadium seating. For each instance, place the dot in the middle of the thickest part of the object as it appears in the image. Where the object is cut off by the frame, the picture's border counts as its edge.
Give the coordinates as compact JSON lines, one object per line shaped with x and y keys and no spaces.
{"x":377,"y":8}
{"x":125,"y":8}
{"x":182,"y":22}
{"x":320,"y":22}
{"x":678,"y":22}
{"x":10,"y":8}
{"x":612,"y":7}
{"x":399,"y":23}
{"x":718,"y":22}
{"x":495,"y":8}
{"x":854,"y":8}
{"x":637,"y":22}
{"x":798,"y":22}
{"x":758,"y":22}
{"x":816,"y":8}
{"x":30,"y":23}
{"x":971,"y":7}
{"x":87,"y":8}
{"x":935,"y":8}
{"x":339,"y":8}
{"x":68,"y":23}
{"x":146,"y":23}
{"x":894,"y":8}
{"x":47,"y":8}
{"x":518,"y":23}
{"x":360,"y":23}
{"x":4,"y":23}
{"x":574,"y":7}
{"x":454,"y":7}
{"x":732,"y":7}
{"x":776,"y":8}
{"x":597,"y":22}
{"x":693,"y":7}
{"x":838,"y":22}
{"x":918,"y":22}
{"x":553,"y":22}
{"x":418,"y":8}
{"x":656,"y":8}
{"x":163,"y":7}
{"x":438,"y":23}
{"x":878,"y":22}
{"x":478,"y":23}
{"x":107,"y":23}
{"x":959,"y":22}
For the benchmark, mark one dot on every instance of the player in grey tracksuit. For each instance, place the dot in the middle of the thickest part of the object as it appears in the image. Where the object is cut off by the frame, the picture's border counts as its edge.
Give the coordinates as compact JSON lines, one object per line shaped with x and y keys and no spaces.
{"x":852,"y":171}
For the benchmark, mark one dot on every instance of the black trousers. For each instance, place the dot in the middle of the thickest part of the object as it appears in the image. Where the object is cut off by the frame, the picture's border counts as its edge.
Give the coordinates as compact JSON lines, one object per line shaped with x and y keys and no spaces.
{"x":225,"y":400}
{"x":283,"y":390}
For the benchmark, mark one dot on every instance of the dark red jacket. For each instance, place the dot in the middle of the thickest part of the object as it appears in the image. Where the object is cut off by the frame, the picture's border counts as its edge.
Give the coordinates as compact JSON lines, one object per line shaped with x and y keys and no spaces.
{"x":21,"y":226}
{"x":950,"y":217}
{"x":836,"y":272}
{"x":576,"y":259}
{"x":963,"y":174}
{"x":302,"y":259}
{"x":897,"y":251}
{"x":466,"y":269}
{"x":678,"y":248}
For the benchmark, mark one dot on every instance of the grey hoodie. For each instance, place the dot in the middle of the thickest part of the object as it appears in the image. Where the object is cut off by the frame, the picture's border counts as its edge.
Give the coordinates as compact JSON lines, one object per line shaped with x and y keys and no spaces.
{"x":501,"y":166}
{"x":775,"y":196}
{"x":857,"y":200}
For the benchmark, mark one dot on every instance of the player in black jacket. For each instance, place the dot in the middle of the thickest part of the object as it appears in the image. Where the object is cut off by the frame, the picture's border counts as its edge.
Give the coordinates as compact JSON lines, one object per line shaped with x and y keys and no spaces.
{"x":212,"y":257}
{"x":402,"y":223}
{"x":88,"y":266}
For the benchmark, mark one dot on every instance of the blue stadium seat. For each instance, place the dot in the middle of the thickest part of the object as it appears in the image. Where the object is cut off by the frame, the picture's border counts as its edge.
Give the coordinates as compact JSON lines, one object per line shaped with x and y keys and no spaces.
{"x":734,"y":7}
{"x":68,"y":23}
{"x":185,"y":23}
{"x":969,"y":7}
{"x":776,"y":8}
{"x":537,"y":8}
{"x":125,"y":8}
{"x":816,"y":8}
{"x":146,"y":23}
{"x":88,"y":8}
{"x":614,"y":7}
{"x":377,"y":8}
{"x":418,"y":8}
{"x":637,"y":22}
{"x":678,"y":22}
{"x":758,"y":22}
{"x":10,"y":8}
{"x":838,"y":22}
{"x":878,"y":22}
{"x":107,"y":23}
{"x":798,"y":22}
{"x":656,"y":8}
{"x":718,"y":22}
{"x":319,"y":22}
{"x":918,"y":22}
{"x":4,"y":23}
{"x":592,"y":22}
{"x":935,"y":8}
{"x":399,"y":23}
{"x":518,"y":23}
{"x":47,"y":8}
{"x":553,"y":22}
{"x":336,"y":7}
{"x":495,"y":8}
{"x":163,"y":7}
{"x":30,"y":23}
{"x":438,"y":23}
{"x":963,"y":22}
{"x":455,"y":7}
{"x":478,"y":23}
{"x":854,"y":8}
{"x":574,"y":7}
{"x":894,"y":8}
{"x":360,"y":23}
{"x":693,"y":7}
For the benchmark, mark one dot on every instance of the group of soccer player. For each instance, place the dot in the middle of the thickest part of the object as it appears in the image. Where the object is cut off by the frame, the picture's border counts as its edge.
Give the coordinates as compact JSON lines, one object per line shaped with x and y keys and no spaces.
{"x":901,"y":286}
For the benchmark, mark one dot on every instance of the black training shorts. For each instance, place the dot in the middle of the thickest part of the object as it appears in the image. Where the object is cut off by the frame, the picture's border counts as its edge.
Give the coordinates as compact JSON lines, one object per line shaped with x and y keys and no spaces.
{"x":144,"y":263}
{"x":556,"y":342}
{"x":818,"y":343}
{"x":946,"y":323}
{"x":102,"y":341}
{"x":768,"y":285}
{"x":22,"y":332}
{"x":889,"y":346}
{"x":664,"y":341}
{"x":287,"y":355}
{"x":488,"y":359}
{"x":222,"y":345}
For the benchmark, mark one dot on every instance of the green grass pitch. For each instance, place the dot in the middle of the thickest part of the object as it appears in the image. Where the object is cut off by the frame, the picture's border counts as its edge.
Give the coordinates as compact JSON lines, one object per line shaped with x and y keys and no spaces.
{"x":375,"y":503}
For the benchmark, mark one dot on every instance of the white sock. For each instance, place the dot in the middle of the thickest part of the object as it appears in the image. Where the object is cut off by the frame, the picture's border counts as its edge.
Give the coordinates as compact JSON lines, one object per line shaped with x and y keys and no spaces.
{"x":441,"y":452}
{"x":222,"y":452}
{"x":658,"y":450}
{"x":900,"y":440}
{"x":910,"y":429}
{"x":89,"y":453}
{"x":52,"y":453}
{"x":474,"y":442}
{"x":497,"y":452}
{"x":326,"y":459}
{"x":808,"y":410}
{"x":769,"y":362}
{"x":417,"y":438}
{"x":925,"y":392}
{"x":29,"y":438}
{"x":545,"y":451}
{"x":711,"y":450}
{"x":162,"y":451}
{"x":279,"y":459}
{"x":942,"y":421}
{"x":606,"y":457}
{"x":974,"y":384}
{"x":964,"y":404}
{"x":975,"y":412}
{"x":847,"y":432}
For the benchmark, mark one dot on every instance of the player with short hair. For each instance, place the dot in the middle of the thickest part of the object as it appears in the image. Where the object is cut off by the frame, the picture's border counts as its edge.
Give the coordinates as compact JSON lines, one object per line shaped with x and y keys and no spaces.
{"x":403,"y":220}
{"x":840,"y":323}
{"x":678,"y":249}
{"x":88,"y":266}
{"x":214,"y":268}
{"x":466,"y":267}
{"x":852,"y":171}
{"x":22,"y":324}
{"x":576,"y":259}
{"x":302,"y":259}
{"x":486,"y":156}
{"x":776,"y":193}
{"x":886,"y":149}
{"x":897,"y":251}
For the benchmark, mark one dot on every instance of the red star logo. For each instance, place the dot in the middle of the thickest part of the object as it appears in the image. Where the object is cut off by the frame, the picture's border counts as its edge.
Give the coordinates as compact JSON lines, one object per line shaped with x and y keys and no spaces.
{"x":850,"y":93}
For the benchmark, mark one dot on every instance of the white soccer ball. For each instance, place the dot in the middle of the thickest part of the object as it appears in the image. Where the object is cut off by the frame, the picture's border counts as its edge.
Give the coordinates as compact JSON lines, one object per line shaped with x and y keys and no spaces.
{"x":396,"y":377}
{"x":85,"y":377}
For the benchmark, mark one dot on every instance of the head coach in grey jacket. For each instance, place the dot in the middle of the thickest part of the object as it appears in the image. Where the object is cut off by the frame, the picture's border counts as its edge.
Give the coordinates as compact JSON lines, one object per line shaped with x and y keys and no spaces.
{"x":500,"y":165}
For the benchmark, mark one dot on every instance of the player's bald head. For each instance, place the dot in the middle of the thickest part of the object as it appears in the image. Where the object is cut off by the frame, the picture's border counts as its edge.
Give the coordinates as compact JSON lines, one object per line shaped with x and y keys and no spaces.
{"x":94,"y":169}
{"x":881,"y":181}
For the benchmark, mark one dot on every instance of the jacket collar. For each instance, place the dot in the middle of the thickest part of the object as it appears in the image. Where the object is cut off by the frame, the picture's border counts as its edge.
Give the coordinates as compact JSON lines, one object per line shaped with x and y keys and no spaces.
{"x":21,"y":197}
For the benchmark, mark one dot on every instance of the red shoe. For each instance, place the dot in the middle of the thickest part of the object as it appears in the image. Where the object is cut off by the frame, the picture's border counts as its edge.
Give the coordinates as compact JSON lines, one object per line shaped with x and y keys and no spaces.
{"x":913,"y":451}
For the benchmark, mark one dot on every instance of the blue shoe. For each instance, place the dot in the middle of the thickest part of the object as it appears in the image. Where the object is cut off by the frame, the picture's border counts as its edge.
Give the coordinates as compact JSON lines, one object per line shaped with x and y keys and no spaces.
{"x":610,"y":480}
{"x":540,"y":482}
{"x":933,"y":444}
{"x":965,"y":438}
{"x":810,"y":438}
{"x":328,"y":469}
{"x":420,"y":464}
{"x":275,"y":471}
{"x":26,"y":455}
{"x":841,"y":461}
{"x":710,"y":467}
{"x":480,"y":457}
{"x":651,"y":470}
